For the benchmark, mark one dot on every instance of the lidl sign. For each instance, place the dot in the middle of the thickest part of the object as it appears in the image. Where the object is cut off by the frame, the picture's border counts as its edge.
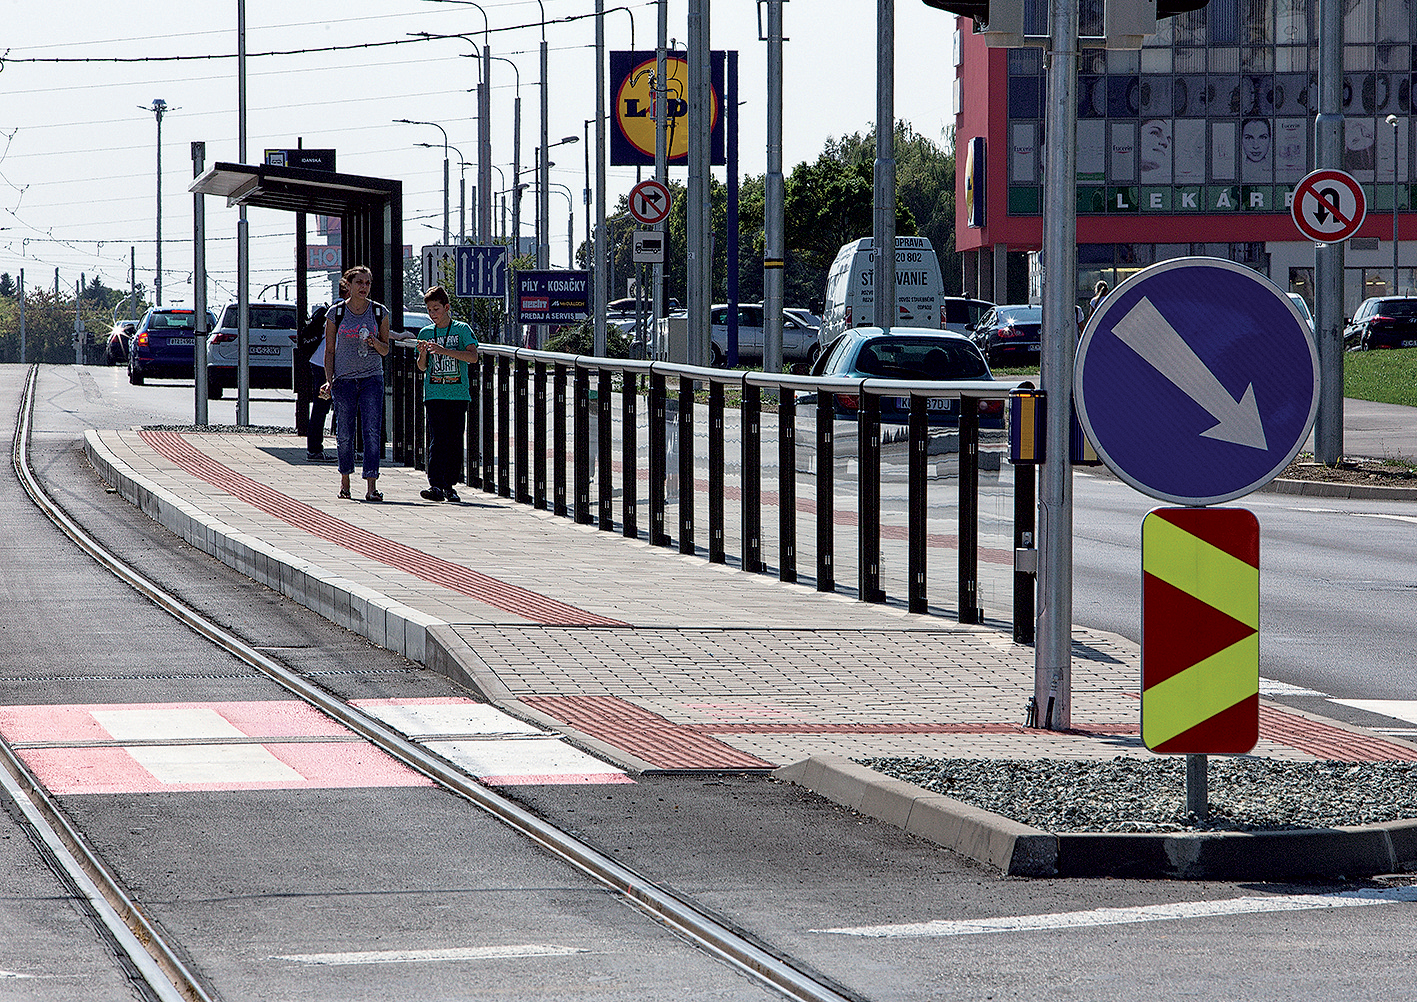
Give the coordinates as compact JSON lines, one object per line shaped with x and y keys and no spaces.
{"x":632,"y":92}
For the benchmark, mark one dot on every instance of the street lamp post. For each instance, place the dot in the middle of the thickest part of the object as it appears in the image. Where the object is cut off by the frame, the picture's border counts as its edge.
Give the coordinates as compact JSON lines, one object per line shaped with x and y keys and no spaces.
{"x":159,"y":108}
{"x":462,"y":191}
{"x":570,"y":224}
{"x":446,"y":197}
{"x":1393,"y":121}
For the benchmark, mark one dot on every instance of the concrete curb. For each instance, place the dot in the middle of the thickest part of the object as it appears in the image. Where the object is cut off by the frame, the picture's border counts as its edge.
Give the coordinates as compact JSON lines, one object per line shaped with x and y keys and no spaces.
{"x":1357,"y":492}
{"x":1022,"y":851}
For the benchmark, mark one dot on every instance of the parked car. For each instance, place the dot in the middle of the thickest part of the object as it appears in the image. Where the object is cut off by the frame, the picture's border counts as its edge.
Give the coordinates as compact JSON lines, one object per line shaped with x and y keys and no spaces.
{"x":1383,"y":322}
{"x":1302,"y":307}
{"x":414,"y":321}
{"x":799,"y":339}
{"x":272,"y":330}
{"x":962,"y":314}
{"x":806,"y":316}
{"x":1010,"y":335}
{"x":908,"y":353}
{"x":115,"y":351}
{"x":164,"y":345}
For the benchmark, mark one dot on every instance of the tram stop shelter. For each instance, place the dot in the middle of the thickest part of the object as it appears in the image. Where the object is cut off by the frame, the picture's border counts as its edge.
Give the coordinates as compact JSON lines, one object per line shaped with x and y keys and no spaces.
{"x":370,"y":210}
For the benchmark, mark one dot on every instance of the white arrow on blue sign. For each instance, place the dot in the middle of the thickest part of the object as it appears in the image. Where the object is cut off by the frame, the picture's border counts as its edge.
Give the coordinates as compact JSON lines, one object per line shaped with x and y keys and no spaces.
{"x":1197,"y":381}
{"x":481,"y":272}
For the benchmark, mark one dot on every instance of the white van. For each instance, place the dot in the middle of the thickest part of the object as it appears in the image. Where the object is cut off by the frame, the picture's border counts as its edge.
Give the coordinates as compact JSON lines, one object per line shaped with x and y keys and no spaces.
{"x":919,"y":290}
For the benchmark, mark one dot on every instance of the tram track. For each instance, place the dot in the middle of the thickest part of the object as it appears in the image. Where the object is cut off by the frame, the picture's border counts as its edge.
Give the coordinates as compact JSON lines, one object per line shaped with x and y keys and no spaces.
{"x":158,"y":963}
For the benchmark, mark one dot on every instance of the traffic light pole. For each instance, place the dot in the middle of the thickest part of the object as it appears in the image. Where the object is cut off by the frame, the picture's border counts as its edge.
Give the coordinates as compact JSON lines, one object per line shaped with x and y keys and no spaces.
{"x":1052,"y":652}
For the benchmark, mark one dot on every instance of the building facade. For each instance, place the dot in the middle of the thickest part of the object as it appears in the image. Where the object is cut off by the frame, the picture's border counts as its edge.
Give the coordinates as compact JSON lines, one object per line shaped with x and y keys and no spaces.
{"x":1192,"y":145}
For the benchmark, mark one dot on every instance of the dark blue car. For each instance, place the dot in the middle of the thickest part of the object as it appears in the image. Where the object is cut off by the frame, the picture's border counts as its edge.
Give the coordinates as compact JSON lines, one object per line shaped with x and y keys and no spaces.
{"x":164,"y":345}
{"x":913,"y":354}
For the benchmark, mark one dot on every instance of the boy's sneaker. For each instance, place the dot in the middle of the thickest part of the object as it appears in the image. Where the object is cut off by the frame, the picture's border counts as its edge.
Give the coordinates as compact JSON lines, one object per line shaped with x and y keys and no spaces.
{"x":318,"y":457}
{"x":451,"y":495}
{"x":432,"y":494}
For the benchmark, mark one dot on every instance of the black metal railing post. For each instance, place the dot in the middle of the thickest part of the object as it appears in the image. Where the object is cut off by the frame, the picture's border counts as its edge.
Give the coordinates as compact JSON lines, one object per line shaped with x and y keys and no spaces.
{"x":538,"y":438}
{"x":658,"y":458}
{"x":558,"y":441}
{"x":716,"y":480}
{"x":751,"y":463}
{"x":686,"y":464}
{"x":581,"y":447}
{"x":472,"y":461}
{"x":629,"y":453}
{"x":489,"y":425}
{"x":826,"y":493}
{"x":969,"y":611}
{"x":504,"y":426}
{"x":787,"y":486}
{"x":523,"y":403}
{"x":868,"y":498}
{"x":918,"y":530}
{"x":606,"y":447}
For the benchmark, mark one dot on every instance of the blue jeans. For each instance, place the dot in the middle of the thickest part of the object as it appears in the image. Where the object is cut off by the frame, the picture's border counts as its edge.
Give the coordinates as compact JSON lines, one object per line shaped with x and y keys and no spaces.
{"x":363,"y":397}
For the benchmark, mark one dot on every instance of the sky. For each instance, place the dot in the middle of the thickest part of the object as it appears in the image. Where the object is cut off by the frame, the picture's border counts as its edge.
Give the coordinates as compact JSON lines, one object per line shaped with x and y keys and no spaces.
{"x":78,"y":140}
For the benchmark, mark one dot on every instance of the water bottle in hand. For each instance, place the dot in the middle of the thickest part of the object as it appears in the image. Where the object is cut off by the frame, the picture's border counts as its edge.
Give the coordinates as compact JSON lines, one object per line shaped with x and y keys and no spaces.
{"x":364,"y":342}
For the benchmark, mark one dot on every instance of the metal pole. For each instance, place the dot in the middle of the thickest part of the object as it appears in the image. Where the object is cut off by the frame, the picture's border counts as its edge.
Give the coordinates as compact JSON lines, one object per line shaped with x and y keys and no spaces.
{"x":661,"y":151}
{"x":599,"y":289}
{"x":1392,"y":120}
{"x":699,"y":270}
{"x":22,"y":316}
{"x":158,"y":108}
{"x":199,"y":286}
{"x":884,"y":212}
{"x":1197,"y":786}
{"x":484,"y":147}
{"x":1328,"y":258}
{"x":1052,"y":659}
{"x":543,"y":180}
{"x":774,"y":227}
{"x":243,"y":255}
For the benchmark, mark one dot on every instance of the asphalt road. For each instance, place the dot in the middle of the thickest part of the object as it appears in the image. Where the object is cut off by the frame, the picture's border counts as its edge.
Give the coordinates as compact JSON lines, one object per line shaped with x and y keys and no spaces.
{"x":249,"y":879}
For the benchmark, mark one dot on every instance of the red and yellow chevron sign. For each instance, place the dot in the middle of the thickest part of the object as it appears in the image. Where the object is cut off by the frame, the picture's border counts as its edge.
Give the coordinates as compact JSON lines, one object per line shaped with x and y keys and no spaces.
{"x":1200,"y":649}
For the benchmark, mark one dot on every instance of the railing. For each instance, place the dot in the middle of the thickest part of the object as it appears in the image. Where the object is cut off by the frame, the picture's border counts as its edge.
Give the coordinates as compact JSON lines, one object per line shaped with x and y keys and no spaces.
{"x":518,"y":391}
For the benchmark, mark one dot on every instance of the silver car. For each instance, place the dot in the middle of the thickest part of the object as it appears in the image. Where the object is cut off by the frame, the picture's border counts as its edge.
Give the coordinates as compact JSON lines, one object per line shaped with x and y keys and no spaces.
{"x":799,"y":339}
{"x":272,"y":331}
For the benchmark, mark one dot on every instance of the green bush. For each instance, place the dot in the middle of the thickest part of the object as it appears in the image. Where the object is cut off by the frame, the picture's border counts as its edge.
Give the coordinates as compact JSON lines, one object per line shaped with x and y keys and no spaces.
{"x":579,"y":339}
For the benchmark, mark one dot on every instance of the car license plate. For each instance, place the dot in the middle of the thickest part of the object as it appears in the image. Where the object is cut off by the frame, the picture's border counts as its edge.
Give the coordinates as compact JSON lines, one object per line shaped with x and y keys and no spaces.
{"x":264,"y":349}
{"x":181,"y":342}
{"x":1409,"y":344}
{"x":931,"y":403}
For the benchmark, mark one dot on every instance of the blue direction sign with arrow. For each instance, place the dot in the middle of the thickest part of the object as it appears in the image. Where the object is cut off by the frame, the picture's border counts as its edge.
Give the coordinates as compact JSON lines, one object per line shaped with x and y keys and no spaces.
{"x":481,"y":272}
{"x":1197,"y":381}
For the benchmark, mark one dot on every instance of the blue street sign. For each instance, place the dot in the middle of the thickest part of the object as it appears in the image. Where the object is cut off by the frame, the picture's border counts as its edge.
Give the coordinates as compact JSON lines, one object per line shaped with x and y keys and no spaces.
{"x":481,"y":272}
{"x":1197,"y":381}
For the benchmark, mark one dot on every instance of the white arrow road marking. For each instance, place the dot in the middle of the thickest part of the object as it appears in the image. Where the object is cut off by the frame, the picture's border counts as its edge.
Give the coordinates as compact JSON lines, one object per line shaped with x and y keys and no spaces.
{"x":1125,"y":916}
{"x":425,"y":956}
{"x":1146,"y":332}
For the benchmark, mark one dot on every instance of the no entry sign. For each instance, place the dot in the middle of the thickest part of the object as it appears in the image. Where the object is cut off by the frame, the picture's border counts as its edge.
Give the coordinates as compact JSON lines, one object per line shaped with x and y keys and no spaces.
{"x":1328,"y":206}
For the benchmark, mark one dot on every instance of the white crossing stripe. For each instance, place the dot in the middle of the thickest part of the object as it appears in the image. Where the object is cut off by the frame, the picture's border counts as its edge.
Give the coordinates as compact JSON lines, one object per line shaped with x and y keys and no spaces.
{"x":213,"y":764}
{"x":1399,"y":709}
{"x":1126,"y":916}
{"x":433,"y":956}
{"x":166,"y":722}
{"x":448,"y":718}
{"x":508,"y":759}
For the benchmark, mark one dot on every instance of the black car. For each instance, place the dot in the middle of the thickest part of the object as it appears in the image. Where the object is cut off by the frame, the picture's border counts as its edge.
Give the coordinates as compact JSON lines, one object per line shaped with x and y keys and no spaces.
{"x":115,"y":350}
{"x":1384,"y":322}
{"x":1010,"y":335}
{"x":915,"y":354}
{"x":164,"y":345}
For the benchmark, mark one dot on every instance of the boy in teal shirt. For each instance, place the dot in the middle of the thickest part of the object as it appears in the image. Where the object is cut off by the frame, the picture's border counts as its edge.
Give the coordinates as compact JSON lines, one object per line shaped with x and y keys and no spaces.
{"x":446,"y":347}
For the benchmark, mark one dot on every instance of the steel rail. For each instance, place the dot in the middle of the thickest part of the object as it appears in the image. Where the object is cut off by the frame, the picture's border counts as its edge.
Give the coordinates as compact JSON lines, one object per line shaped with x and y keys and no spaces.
{"x":153,"y":960}
{"x":709,"y":933}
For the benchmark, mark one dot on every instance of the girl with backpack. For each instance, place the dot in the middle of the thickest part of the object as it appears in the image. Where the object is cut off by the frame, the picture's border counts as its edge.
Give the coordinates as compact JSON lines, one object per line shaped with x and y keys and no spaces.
{"x":356,"y":341}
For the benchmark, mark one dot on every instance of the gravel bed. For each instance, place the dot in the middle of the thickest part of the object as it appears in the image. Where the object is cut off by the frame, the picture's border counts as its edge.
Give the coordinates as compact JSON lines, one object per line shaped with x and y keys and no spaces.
{"x":1149,"y":795}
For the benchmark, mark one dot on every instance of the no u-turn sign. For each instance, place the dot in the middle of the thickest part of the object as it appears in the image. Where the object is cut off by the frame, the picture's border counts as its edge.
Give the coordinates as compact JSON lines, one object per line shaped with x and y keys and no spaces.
{"x":1328,"y":206}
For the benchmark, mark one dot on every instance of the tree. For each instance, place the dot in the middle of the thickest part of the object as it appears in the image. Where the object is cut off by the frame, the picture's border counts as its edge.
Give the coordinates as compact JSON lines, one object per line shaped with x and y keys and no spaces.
{"x":7,"y":285}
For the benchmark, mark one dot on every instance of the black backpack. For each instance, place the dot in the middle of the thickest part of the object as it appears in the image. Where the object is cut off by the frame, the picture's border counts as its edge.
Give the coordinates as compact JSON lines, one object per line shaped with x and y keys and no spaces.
{"x":311,"y":335}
